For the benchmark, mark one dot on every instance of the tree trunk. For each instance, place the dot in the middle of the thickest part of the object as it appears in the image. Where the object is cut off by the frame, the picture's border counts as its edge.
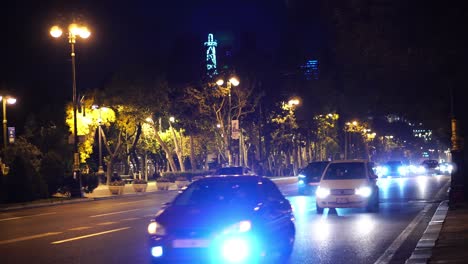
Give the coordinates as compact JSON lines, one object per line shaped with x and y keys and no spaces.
{"x":178,"y":150}
{"x":169,"y":157}
{"x":193,"y":163}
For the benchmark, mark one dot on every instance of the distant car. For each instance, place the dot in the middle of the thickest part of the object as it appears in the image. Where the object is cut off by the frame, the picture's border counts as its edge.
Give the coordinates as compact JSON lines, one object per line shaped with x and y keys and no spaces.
{"x":431,"y":166}
{"x":230,"y":219}
{"x":234,"y":171}
{"x":348,"y":184}
{"x":393,"y":168}
{"x":309,"y":178}
{"x":446,"y":168}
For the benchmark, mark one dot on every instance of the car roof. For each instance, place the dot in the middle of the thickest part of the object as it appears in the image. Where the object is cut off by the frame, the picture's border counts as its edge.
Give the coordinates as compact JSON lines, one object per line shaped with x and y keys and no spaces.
{"x":233,"y":178}
{"x":351,"y":161}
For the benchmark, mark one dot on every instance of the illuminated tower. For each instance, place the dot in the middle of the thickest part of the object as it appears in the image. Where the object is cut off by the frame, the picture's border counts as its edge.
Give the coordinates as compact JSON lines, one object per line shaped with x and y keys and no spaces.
{"x":211,"y":56}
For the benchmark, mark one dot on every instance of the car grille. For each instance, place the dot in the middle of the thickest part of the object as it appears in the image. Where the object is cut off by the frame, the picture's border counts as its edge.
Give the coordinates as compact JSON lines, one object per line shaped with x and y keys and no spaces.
{"x":342,"y":191}
{"x":191,"y":233}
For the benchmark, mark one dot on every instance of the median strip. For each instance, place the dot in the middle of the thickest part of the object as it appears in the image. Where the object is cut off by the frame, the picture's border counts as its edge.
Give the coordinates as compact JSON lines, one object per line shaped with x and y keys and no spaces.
{"x":90,"y":235}
{"x":28,"y":237}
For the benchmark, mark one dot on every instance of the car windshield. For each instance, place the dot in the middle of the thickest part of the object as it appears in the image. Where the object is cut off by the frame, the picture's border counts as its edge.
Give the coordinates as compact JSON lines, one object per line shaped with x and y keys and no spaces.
{"x":205,"y":193}
{"x":229,"y":171}
{"x":345,"y":171}
{"x":431,"y":163}
{"x":315,"y":169}
{"x":394,"y":163}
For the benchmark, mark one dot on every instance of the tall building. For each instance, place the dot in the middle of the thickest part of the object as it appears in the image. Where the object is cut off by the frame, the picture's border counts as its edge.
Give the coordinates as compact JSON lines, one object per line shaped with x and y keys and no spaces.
{"x":311,"y":70}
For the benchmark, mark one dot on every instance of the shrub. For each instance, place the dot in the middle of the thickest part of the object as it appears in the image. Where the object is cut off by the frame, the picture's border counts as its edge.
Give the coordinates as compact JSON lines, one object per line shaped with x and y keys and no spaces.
{"x":52,"y":171}
{"x":188,"y":174}
{"x":163,"y":179}
{"x":117,"y":183}
{"x":181,"y":178}
{"x":89,"y":182}
{"x":139,"y":181}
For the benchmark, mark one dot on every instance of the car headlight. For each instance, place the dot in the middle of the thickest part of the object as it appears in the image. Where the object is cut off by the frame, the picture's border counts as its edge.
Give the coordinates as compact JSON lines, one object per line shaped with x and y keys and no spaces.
{"x":235,"y":250}
{"x":402,"y":170}
{"x":156,"y":229}
{"x":363,"y":191}
{"x":322,"y":192}
{"x":239,"y":227}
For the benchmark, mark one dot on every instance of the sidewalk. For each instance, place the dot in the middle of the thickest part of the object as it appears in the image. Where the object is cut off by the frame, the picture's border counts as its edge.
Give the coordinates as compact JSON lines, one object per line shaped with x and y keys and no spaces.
{"x":445,"y":239}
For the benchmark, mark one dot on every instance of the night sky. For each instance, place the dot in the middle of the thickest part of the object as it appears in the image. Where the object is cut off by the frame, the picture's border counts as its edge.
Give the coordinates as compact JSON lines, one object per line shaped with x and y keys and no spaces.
{"x":408,"y":53}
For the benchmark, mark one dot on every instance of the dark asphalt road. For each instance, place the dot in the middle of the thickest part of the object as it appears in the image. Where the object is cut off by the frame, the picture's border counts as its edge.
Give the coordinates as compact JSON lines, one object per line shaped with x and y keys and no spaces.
{"x":114,"y":231}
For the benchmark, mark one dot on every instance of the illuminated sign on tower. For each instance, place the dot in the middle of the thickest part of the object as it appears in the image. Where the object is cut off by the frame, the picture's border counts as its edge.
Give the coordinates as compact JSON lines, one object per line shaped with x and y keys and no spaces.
{"x":211,"y":56}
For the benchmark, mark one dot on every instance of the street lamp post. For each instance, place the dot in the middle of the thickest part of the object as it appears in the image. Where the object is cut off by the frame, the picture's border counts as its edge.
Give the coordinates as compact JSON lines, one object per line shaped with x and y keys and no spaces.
{"x":100,"y":168}
{"x":232,"y":81}
{"x":74,"y":30}
{"x":6,"y":100}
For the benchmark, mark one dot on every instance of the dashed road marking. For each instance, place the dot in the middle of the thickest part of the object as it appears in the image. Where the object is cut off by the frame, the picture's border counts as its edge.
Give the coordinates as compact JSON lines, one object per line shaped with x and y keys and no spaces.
{"x":79,"y":228}
{"x":19,"y":239}
{"x":106,"y":223}
{"x":25,"y":216}
{"x":120,"y":212}
{"x":90,"y":235}
{"x":130,"y":219}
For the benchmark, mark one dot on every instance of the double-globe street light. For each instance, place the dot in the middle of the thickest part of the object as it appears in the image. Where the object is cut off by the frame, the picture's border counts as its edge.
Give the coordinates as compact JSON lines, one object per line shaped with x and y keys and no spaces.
{"x":74,"y":31}
{"x":232,"y":81}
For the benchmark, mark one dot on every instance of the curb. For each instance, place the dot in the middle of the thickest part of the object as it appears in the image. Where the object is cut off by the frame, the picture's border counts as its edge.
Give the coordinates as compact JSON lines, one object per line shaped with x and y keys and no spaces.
{"x":77,"y":200}
{"x":90,"y":199}
{"x":423,"y":251}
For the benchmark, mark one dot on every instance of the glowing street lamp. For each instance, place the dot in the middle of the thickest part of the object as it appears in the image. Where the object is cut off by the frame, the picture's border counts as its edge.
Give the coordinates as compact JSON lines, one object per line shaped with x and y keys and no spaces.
{"x":74,"y":31}
{"x":232,"y":81}
{"x":6,"y":100}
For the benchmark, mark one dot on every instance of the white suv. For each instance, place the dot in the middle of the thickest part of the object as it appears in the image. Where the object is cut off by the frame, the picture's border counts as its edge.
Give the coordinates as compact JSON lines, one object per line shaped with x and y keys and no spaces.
{"x":348,"y":184}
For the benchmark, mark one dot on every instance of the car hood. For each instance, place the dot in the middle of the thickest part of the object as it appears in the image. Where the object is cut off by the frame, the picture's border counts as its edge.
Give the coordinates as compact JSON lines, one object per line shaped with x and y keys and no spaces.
{"x":206,"y":217}
{"x":344,"y":184}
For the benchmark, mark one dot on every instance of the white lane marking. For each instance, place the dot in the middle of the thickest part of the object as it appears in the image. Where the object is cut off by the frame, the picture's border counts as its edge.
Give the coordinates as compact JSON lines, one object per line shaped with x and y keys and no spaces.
{"x":443,"y":189}
{"x":106,"y":223}
{"x":392,"y":249}
{"x":130,"y":219}
{"x":79,"y":228}
{"x":121,"y":212}
{"x":90,"y":235}
{"x":139,"y":201}
{"x":25,"y":216}
{"x":28,"y":237}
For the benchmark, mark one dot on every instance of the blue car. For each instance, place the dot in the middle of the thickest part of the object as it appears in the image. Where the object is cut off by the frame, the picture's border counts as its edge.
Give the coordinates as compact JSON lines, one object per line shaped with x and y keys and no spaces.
{"x":224,"y":219}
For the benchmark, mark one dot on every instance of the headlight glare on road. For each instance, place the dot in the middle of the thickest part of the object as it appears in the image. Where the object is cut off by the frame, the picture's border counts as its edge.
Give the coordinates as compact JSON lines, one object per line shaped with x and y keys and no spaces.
{"x":364,"y":191}
{"x":157,"y":251}
{"x":156,"y":229}
{"x":322,"y":192}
